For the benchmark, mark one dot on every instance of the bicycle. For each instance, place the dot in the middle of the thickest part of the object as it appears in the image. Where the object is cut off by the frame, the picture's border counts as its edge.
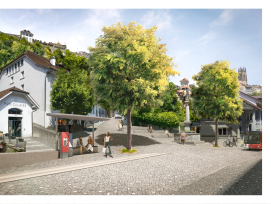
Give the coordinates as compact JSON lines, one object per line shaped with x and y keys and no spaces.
{"x":227,"y":143}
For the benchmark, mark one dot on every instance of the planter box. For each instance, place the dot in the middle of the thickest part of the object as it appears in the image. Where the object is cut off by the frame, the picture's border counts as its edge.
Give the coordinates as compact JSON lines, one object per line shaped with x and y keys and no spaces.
{"x":13,"y":137}
{"x":21,"y":140}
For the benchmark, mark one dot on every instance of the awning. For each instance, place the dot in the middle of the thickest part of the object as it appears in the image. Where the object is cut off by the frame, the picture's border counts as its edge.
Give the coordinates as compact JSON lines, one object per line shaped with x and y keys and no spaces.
{"x":77,"y":117}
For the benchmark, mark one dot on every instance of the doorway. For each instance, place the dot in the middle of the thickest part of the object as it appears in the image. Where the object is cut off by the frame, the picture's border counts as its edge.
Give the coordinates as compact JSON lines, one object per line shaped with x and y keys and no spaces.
{"x":15,"y":126}
{"x":248,"y":127}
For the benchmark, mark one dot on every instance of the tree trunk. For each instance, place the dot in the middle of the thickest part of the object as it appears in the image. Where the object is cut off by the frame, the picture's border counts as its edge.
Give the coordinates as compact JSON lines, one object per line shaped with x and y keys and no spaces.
{"x":216,"y":132}
{"x":108,"y":113}
{"x":129,"y":130}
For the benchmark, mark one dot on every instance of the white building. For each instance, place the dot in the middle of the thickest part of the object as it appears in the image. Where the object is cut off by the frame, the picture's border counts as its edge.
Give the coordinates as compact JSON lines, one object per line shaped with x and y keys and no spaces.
{"x":16,"y":110}
{"x":34,"y":75}
{"x":31,"y":73}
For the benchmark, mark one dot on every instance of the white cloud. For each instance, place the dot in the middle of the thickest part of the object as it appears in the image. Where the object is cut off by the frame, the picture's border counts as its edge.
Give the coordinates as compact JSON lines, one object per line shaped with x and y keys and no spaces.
{"x":205,"y":38}
{"x":225,"y":17}
{"x":181,"y":55}
{"x":74,"y":41}
{"x":159,"y":18}
{"x":98,"y":18}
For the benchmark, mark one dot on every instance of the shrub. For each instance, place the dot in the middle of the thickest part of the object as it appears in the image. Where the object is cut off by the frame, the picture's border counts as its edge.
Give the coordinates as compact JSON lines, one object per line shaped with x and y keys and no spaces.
{"x":124,"y":150}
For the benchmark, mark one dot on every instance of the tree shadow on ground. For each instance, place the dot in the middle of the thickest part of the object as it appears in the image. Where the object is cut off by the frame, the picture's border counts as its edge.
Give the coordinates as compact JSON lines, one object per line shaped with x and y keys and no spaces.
{"x":247,"y":183}
{"x":76,"y":135}
{"x":121,"y":140}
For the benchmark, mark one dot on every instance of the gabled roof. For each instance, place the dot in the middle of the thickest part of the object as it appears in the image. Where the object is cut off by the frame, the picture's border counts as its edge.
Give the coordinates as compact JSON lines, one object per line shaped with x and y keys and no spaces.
{"x":250,"y":96}
{"x":7,"y":91}
{"x":36,"y":58}
{"x":247,"y":102}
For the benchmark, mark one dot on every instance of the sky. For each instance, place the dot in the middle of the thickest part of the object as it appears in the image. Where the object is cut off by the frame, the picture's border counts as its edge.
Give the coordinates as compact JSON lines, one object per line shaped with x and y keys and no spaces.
{"x":195,"y":37}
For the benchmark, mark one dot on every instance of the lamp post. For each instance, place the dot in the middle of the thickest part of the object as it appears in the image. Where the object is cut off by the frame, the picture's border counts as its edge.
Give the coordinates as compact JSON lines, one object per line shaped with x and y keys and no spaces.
{"x":187,"y":121}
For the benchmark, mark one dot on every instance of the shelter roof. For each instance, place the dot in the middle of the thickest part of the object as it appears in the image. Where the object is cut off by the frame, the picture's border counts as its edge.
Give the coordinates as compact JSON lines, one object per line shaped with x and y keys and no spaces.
{"x":77,"y":117}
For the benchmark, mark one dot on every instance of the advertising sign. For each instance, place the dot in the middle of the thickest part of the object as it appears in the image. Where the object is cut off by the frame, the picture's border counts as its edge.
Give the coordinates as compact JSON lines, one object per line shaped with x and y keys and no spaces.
{"x":65,"y":142}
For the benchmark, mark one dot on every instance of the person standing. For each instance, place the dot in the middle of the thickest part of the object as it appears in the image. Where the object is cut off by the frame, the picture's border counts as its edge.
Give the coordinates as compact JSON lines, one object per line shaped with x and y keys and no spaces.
{"x":183,"y":137}
{"x":89,"y":145}
{"x":107,"y":140}
{"x":122,"y":124}
{"x":119,"y":125}
{"x":80,"y":144}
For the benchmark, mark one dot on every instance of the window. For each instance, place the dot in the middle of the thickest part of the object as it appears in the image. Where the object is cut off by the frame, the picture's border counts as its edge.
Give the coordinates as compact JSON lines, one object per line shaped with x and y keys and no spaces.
{"x":15,"y":69}
{"x":14,"y":111}
{"x":249,"y":116}
{"x":18,"y":64}
{"x":12,"y":70}
{"x":22,"y":74}
{"x":7,"y":71}
{"x":11,"y":80}
{"x":222,"y":131}
{"x":22,"y":62}
{"x":22,"y":86}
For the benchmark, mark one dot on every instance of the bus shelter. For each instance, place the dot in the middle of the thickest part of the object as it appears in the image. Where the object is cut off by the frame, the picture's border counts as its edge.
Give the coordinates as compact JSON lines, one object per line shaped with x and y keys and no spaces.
{"x":73,"y":117}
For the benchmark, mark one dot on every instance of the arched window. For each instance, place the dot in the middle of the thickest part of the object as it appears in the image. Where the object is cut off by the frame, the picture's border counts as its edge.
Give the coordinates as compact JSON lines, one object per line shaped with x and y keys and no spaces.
{"x":14,"y":111}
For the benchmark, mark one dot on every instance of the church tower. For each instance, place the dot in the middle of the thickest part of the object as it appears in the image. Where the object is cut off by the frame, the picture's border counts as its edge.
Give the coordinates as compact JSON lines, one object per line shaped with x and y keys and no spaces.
{"x":242,"y":75}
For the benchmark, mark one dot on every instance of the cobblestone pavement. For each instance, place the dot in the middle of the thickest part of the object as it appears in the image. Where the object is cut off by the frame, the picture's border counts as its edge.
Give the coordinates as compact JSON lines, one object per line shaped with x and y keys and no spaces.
{"x":186,"y":169}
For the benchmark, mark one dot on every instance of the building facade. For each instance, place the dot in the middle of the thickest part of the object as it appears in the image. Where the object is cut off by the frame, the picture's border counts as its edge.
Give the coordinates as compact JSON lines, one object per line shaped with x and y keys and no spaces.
{"x":16,"y":111}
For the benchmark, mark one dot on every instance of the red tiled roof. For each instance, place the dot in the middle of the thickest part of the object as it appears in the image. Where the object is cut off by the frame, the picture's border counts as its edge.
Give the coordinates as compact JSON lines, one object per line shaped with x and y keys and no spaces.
{"x":7,"y":91}
{"x":37,"y":59}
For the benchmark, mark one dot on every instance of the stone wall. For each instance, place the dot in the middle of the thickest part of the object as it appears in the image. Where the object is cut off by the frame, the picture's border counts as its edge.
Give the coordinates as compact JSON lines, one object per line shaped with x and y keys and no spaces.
{"x":47,"y":136}
{"x":26,"y":158}
{"x":189,"y":137}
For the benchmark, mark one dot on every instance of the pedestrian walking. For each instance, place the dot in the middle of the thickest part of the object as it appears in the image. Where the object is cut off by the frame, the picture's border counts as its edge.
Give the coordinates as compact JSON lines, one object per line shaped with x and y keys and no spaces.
{"x":167,"y":132}
{"x":119,"y":125}
{"x":89,"y":145}
{"x":107,"y":140}
{"x":122,"y":124}
{"x":148,"y":128}
{"x":183,"y":137}
{"x":151,"y":129}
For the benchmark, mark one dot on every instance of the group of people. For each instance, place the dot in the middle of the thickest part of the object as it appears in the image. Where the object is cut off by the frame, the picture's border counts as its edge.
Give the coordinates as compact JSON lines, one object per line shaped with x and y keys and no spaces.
{"x":233,"y":138}
{"x":89,"y":146}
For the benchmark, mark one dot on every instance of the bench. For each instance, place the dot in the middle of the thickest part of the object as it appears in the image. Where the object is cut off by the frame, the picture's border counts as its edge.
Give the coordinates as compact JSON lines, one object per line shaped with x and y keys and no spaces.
{"x":76,"y":150}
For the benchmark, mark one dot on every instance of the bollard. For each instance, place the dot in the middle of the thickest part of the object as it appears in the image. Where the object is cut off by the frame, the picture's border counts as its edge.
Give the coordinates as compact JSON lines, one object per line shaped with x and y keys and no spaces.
{"x":24,"y":146}
{"x":17,"y":142}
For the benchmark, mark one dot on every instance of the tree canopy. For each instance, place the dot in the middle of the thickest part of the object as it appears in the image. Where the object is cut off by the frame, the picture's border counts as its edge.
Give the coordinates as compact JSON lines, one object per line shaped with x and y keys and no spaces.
{"x":217,"y":93}
{"x":71,"y":92}
{"x":130,"y":68}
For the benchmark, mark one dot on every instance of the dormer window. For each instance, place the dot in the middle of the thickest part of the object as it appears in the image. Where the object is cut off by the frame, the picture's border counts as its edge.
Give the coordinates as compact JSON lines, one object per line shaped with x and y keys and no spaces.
{"x":22,"y":62}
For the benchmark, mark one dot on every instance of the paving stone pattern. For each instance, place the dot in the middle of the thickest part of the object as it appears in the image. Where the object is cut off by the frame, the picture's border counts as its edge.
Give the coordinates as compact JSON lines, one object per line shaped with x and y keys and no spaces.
{"x":186,"y":169}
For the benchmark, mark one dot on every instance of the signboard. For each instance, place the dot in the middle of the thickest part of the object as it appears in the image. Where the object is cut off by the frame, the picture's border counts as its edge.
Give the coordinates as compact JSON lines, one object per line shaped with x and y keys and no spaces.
{"x":64,"y":142}
{"x":14,"y":104}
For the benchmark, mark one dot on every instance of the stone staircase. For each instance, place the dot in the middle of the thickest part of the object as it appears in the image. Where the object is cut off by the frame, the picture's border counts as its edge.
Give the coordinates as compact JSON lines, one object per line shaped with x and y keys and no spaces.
{"x":36,"y":144}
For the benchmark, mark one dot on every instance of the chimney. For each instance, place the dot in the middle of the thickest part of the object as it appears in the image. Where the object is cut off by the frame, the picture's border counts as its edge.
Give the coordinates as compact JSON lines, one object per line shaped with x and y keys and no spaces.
{"x":53,"y":61}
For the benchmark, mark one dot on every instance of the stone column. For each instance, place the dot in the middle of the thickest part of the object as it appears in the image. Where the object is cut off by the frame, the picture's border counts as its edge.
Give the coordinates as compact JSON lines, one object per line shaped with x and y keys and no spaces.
{"x":187,"y":120}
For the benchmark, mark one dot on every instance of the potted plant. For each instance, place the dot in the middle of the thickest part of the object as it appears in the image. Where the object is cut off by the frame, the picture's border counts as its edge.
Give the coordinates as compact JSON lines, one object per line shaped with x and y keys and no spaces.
{"x":21,"y":139}
{"x":13,"y":137}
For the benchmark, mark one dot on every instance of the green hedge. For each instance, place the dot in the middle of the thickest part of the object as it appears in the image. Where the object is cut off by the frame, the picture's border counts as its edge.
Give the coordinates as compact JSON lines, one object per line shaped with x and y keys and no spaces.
{"x":164,"y":119}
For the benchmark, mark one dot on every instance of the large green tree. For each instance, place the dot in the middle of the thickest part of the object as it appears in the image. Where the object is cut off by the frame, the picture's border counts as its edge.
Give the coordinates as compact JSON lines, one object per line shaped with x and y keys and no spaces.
{"x":130,"y":68}
{"x":216,"y":95}
{"x":71,"y":92}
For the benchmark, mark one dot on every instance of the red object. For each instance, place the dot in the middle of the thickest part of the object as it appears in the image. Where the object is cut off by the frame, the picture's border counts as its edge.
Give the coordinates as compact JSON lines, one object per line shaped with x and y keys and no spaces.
{"x":253,"y":140}
{"x":65,"y":142}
